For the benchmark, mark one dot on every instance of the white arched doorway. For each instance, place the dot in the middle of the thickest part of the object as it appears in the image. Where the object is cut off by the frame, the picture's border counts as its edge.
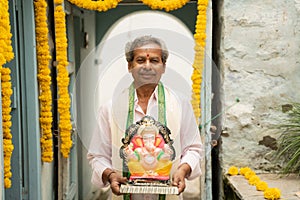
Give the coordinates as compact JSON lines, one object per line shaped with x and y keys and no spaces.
{"x":178,"y":38}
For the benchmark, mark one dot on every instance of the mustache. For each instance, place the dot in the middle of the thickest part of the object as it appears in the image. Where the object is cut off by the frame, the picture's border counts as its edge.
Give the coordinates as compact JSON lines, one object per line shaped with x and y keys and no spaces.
{"x":147,"y":73}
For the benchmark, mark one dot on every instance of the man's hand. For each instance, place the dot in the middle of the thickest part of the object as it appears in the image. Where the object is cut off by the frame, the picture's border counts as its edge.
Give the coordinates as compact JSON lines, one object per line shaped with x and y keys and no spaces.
{"x":178,"y":178}
{"x":114,"y":179}
{"x":115,"y":182}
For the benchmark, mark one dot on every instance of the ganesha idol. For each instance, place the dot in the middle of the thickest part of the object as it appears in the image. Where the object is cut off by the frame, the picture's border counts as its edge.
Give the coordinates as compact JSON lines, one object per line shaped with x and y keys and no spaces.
{"x":147,"y":150}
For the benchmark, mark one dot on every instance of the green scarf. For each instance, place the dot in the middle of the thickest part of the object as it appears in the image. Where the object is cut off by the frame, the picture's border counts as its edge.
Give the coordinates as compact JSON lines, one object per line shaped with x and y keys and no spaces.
{"x":130,"y":117}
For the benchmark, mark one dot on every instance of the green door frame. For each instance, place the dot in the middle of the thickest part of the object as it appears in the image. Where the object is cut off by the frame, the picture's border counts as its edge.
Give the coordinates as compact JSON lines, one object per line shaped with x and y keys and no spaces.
{"x":16,"y":160}
{"x":104,"y":20}
{"x":26,"y":158}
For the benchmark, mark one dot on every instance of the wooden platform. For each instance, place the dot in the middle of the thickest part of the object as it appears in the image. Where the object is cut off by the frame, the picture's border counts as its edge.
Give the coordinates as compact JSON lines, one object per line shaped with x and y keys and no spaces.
{"x":148,"y":189}
{"x":288,"y":185}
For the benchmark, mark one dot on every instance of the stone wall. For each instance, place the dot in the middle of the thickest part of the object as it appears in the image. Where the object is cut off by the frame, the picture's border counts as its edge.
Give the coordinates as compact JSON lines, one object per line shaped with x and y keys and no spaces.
{"x":259,"y":61}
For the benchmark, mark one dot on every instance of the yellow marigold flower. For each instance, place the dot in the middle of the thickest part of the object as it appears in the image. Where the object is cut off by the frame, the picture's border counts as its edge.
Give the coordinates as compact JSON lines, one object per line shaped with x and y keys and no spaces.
{"x":5,"y":71}
{"x":7,"y":183}
{"x":272,"y":193}
{"x":233,"y":170}
{"x":167,"y":5}
{"x":5,"y":77}
{"x":249,"y":174}
{"x":7,"y":124}
{"x":58,"y":1}
{"x":6,"y":110}
{"x":253,"y":180}
{"x":244,"y":170}
{"x":261,"y":186}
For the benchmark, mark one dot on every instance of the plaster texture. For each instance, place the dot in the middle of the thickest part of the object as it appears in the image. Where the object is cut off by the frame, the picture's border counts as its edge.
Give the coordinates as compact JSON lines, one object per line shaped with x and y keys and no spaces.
{"x":259,"y":64}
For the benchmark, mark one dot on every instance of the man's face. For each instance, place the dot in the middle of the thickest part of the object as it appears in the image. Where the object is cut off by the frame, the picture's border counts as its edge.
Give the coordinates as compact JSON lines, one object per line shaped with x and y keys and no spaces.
{"x":147,"y":66}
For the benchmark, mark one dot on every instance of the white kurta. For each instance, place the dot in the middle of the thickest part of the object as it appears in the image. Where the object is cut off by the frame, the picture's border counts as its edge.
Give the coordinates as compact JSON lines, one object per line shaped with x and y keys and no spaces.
{"x":106,"y":142}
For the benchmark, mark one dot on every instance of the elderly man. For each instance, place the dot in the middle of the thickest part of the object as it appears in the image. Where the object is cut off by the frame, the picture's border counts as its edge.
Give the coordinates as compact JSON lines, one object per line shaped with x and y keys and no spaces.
{"x":146,"y":57}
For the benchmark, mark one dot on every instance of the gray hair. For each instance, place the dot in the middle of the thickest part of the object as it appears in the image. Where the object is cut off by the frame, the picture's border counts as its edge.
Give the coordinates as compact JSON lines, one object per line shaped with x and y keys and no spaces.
{"x":143,"y":40}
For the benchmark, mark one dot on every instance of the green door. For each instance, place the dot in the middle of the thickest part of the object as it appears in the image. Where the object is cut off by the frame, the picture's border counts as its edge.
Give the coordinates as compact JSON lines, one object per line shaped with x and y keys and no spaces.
{"x":26,"y":157}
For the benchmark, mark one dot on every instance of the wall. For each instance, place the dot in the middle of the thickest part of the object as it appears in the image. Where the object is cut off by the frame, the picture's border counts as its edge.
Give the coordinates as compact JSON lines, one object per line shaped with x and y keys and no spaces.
{"x":259,"y":62}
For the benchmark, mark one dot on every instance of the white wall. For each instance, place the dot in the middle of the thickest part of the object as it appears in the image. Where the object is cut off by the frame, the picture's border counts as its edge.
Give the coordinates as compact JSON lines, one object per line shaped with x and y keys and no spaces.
{"x":259,"y":58}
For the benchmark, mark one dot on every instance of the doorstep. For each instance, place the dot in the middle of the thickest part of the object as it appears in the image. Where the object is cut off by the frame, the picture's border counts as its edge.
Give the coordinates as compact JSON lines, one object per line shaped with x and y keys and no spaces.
{"x":289,"y":186}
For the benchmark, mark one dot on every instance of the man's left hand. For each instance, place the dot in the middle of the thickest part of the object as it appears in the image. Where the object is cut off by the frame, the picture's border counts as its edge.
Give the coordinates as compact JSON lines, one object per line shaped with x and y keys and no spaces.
{"x":178,"y":178}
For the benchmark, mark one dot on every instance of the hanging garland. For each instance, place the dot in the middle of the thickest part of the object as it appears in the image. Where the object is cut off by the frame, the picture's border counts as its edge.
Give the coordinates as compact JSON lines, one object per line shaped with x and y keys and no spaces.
{"x":105,"y":5}
{"x":102,"y":5}
{"x":8,"y":146}
{"x":168,"y":5}
{"x":6,"y":51}
{"x":64,"y":101}
{"x":44,"y":78}
{"x":6,"y":55}
{"x":198,"y":65}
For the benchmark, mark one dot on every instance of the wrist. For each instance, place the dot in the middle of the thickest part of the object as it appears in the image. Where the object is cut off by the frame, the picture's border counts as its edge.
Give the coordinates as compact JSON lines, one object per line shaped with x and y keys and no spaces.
{"x":109,"y":175}
{"x":186,"y":169}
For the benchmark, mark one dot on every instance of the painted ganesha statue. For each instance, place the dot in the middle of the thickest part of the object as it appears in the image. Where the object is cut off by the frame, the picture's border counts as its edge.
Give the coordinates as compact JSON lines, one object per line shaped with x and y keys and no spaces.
{"x":147,"y":150}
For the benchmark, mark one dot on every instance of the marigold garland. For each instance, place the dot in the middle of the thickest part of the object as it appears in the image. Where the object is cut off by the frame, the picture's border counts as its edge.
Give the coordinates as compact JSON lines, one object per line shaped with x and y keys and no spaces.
{"x":200,"y":39}
{"x":253,"y":179}
{"x":101,"y":5}
{"x":6,"y":124}
{"x":168,"y":5}
{"x":6,"y":55}
{"x":64,"y":101}
{"x":6,"y":51}
{"x":44,"y":78}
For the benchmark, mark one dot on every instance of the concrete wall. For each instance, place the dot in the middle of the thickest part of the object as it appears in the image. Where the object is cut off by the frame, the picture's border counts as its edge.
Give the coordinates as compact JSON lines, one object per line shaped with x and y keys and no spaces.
{"x":259,"y":62}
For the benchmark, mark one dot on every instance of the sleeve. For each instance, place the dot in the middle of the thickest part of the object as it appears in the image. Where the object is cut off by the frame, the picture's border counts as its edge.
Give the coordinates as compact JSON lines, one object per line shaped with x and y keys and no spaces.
{"x":99,"y":153}
{"x":191,"y":145}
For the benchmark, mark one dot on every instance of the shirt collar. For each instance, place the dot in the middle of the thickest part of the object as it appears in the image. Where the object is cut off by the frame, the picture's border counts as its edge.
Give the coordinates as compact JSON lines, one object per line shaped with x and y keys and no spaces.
{"x":153,"y":96}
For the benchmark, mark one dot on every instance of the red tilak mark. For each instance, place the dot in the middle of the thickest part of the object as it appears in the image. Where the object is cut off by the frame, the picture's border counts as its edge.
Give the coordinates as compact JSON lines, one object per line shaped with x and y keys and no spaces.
{"x":147,"y":55}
